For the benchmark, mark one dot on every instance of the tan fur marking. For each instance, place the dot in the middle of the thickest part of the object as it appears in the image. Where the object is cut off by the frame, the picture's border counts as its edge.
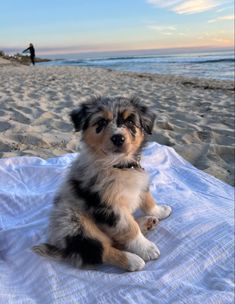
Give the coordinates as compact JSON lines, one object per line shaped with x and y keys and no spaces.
{"x":101,"y":143}
{"x":95,"y":141}
{"x":115,"y":257}
{"x":138,"y":140}
{"x":93,"y":231}
{"x":127,"y":233}
{"x":102,"y":114}
{"x":108,"y":115}
{"x":126,"y":114}
{"x":148,"y":203}
{"x":112,"y":195}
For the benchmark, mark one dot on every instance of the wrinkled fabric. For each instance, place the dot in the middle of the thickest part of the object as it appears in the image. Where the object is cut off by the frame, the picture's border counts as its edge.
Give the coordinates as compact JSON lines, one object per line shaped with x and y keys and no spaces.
{"x":196,"y":242}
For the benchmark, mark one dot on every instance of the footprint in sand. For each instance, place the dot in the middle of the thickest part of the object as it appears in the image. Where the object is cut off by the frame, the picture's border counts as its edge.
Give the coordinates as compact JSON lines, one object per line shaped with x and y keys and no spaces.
{"x":5,"y":147}
{"x":63,"y":126}
{"x":2,"y":113}
{"x":165,"y":125}
{"x":31,"y":139}
{"x":46,"y":119}
{"x":205,"y":135}
{"x":4,"y":126}
{"x":18,"y":116}
{"x":25,"y":110}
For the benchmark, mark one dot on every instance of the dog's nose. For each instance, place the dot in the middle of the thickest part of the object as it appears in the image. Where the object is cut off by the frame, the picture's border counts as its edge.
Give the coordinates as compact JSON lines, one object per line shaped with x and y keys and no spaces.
{"x":118,"y":140}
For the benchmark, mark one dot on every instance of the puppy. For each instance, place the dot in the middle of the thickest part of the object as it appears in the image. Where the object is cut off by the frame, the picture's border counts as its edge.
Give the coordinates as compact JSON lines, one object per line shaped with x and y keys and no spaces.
{"x":91,"y":221}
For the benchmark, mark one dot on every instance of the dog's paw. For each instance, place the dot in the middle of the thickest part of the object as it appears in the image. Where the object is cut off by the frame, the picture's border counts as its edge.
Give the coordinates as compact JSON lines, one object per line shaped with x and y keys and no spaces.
{"x":161,"y":212}
{"x":147,"y":223}
{"x":150,"y":252}
{"x":144,"y":248}
{"x":135,"y":263}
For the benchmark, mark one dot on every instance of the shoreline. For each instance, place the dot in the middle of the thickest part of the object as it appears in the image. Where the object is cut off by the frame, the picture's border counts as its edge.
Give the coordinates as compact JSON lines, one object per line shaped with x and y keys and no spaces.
{"x":194,"y":116}
{"x":188,"y":79}
{"x":19,"y":59}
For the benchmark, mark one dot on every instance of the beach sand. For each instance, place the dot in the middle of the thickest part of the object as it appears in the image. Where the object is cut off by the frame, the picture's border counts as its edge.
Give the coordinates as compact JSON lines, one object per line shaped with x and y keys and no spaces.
{"x":195,"y":117}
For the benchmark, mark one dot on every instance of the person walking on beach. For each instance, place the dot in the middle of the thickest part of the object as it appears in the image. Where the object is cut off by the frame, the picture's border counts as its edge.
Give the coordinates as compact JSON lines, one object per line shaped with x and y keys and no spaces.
{"x":32,"y":53}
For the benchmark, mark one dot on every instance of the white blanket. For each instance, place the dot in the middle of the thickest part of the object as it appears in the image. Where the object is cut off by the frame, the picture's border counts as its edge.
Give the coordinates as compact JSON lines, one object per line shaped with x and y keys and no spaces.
{"x":196,"y":242}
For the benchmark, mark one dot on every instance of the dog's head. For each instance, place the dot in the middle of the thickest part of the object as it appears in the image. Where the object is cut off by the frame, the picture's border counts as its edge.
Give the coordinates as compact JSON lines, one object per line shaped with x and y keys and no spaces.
{"x":113,"y":125}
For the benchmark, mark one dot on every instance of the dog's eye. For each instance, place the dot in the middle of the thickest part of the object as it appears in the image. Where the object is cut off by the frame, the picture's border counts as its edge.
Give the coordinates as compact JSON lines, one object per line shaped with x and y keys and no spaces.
{"x":129,"y":122}
{"x":102,"y":123}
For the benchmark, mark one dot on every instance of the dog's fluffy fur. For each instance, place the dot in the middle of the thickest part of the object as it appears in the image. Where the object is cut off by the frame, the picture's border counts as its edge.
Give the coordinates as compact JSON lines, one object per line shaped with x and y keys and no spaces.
{"x":92,"y":222}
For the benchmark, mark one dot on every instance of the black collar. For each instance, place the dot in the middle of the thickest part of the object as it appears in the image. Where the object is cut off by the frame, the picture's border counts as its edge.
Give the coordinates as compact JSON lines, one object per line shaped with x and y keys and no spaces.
{"x":130,"y":165}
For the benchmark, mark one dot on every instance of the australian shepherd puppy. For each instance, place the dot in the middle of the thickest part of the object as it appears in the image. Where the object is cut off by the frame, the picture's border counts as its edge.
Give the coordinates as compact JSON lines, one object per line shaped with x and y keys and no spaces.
{"x":92,"y":219}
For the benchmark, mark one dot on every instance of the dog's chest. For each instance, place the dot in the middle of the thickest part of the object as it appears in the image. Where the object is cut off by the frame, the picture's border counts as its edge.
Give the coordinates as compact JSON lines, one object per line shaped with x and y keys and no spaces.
{"x":127,"y":187}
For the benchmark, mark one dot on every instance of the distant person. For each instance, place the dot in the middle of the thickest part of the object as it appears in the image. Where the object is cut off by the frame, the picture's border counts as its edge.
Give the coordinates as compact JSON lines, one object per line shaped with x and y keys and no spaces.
{"x":31,"y":50}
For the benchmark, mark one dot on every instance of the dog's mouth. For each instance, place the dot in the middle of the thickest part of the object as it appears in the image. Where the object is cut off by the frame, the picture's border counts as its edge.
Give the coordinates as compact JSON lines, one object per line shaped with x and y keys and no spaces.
{"x":120,"y":150}
{"x":119,"y":158}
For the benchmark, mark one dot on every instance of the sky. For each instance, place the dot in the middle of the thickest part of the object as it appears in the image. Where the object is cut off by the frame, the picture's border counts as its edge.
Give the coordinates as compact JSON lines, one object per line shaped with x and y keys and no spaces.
{"x":73,"y":26}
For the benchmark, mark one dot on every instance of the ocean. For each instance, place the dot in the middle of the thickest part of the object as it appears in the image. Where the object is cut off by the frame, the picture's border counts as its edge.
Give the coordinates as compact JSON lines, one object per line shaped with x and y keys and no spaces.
{"x":213,"y":64}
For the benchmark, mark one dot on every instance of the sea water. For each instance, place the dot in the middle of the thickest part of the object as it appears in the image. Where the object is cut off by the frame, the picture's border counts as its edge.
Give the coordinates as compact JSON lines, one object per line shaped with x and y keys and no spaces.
{"x":213,"y":64}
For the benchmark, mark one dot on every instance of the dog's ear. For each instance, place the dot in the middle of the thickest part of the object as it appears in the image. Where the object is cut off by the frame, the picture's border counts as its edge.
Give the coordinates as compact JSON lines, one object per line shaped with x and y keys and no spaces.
{"x":79,"y":118}
{"x":147,"y":116}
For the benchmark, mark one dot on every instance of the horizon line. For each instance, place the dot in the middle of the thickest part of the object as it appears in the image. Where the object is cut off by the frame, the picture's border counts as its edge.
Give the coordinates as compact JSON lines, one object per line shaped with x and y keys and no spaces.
{"x":64,"y":51}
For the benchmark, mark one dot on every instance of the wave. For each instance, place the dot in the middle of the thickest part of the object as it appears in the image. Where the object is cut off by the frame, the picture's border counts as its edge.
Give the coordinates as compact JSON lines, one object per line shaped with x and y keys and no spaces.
{"x":216,"y":60}
{"x":144,"y":59}
{"x":207,"y":65}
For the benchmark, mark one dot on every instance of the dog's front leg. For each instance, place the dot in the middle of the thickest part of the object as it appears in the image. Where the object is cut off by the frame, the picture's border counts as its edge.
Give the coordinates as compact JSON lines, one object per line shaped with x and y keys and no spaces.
{"x":127,"y":234}
{"x":150,"y":207}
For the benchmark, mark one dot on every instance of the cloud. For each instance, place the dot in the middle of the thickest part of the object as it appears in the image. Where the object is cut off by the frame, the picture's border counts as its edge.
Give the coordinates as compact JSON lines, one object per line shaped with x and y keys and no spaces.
{"x":222,"y":18}
{"x":164,"y":3}
{"x":165,"y":30}
{"x":186,"y":6}
{"x":192,"y":6}
{"x":161,"y":28}
{"x":220,"y":10}
{"x":183,"y":34}
{"x":230,"y":17}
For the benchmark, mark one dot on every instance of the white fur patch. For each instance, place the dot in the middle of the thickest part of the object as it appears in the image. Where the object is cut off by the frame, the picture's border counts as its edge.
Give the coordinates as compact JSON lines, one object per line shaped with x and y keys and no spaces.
{"x":134,"y":262}
{"x":143,"y":248}
{"x":161,"y":212}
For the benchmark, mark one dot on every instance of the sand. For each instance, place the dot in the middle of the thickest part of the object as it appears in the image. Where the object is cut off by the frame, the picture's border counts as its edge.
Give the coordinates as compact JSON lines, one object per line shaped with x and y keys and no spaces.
{"x":194,"y":116}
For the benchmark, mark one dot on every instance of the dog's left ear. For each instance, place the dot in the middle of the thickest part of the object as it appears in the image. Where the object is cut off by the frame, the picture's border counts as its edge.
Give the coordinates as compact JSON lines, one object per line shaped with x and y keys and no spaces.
{"x":79,"y":117}
{"x":147,"y":117}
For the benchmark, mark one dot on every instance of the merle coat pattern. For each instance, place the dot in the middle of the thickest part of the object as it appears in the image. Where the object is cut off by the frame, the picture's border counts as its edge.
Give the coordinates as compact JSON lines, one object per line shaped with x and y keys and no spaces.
{"x":91,"y":221}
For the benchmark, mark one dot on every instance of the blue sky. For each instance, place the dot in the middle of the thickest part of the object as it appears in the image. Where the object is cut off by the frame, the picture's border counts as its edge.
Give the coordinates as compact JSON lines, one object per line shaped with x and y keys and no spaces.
{"x":59,"y":26}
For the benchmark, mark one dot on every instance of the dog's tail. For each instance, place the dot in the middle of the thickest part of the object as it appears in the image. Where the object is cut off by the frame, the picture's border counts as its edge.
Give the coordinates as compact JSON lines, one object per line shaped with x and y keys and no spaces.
{"x":47,"y":250}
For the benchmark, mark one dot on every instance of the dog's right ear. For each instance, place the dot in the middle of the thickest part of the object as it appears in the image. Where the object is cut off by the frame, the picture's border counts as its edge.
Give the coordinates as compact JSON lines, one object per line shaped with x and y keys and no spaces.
{"x":79,"y":118}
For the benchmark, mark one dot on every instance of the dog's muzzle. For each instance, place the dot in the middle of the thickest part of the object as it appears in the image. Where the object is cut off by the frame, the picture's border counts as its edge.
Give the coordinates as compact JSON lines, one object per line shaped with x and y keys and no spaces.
{"x":118,"y":140}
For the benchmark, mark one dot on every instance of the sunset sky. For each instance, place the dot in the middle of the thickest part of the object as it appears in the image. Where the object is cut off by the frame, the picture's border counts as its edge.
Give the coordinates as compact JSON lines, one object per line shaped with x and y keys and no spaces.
{"x":59,"y":26}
